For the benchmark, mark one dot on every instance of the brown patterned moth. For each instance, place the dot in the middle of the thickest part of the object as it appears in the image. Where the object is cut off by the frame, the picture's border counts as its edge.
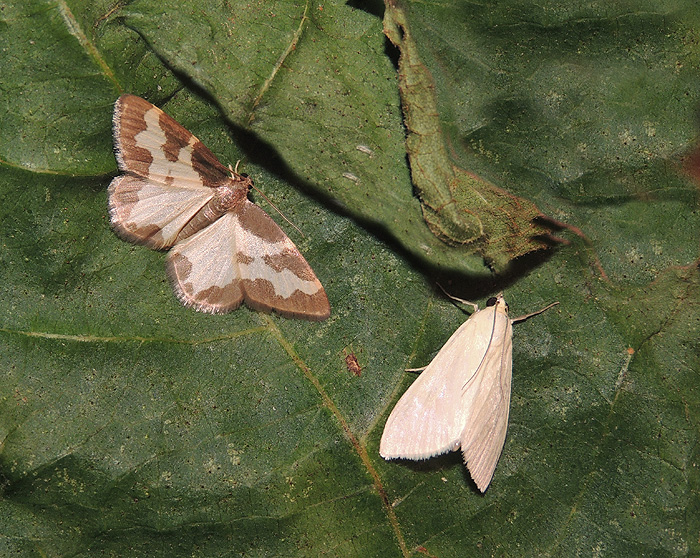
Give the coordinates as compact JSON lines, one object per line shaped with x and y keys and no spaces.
{"x":224,"y":249}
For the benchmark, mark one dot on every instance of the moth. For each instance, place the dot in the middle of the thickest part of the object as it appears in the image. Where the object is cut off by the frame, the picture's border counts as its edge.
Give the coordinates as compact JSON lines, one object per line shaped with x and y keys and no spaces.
{"x":461,"y":399}
{"x":224,"y":249}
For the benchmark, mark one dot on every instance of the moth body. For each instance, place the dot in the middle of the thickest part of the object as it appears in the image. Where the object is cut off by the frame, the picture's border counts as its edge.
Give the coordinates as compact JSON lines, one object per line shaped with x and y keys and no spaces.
{"x":229,"y":197}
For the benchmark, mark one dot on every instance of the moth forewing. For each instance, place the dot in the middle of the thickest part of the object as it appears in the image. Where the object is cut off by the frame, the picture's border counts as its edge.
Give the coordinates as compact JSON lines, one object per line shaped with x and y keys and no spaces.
{"x":225,"y":249}
{"x":488,"y":401}
{"x":275,"y":275}
{"x":429,"y":418}
{"x":151,"y":144}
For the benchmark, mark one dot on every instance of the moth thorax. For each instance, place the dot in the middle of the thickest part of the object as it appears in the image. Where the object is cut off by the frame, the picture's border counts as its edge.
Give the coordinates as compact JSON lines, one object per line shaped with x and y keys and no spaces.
{"x":229,"y":197}
{"x":226,"y":198}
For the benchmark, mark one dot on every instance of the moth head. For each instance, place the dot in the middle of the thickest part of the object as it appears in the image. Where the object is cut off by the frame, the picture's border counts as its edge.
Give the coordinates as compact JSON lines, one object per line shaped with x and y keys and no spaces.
{"x":497,"y":300}
{"x":242,"y":178}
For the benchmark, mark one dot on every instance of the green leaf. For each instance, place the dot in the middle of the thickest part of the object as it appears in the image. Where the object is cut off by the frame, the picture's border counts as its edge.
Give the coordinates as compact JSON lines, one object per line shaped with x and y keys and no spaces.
{"x":131,"y":426}
{"x":460,"y":208}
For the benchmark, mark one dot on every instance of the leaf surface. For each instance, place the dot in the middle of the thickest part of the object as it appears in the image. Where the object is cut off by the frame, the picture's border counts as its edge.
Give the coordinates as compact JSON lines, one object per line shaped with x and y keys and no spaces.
{"x":131,"y":426}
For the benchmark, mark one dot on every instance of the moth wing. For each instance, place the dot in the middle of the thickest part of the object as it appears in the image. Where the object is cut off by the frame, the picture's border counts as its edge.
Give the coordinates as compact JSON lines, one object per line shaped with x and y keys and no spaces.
{"x":153,"y":145}
{"x":275,"y":276}
{"x":244,"y":255}
{"x":487,"y":403}
{"x":203,"y":270}
{"x":170,"y":174}
{"x":430,"y":416}
{"x":150,"y":213}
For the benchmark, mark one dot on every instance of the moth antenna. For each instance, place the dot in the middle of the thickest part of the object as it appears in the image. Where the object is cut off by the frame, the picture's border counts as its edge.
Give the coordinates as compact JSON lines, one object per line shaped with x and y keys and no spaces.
{"x":277,"y":210}
{"x":472,"y":304}
{"x":235,"y":170}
